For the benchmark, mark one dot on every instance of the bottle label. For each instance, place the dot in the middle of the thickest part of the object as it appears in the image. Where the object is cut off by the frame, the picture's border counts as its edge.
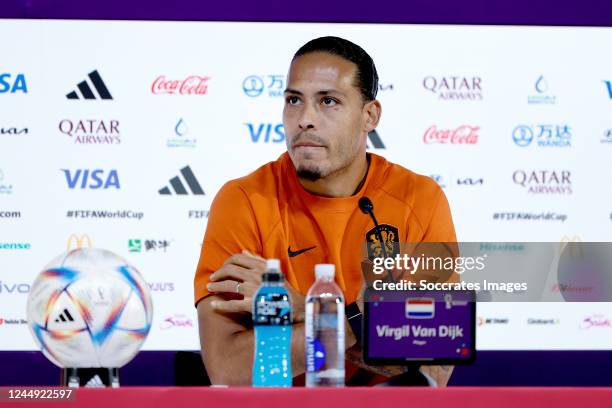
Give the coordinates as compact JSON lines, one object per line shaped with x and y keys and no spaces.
{"x":319,"y":327}
{"x":272,"y":309}
{"x":315,"y":355}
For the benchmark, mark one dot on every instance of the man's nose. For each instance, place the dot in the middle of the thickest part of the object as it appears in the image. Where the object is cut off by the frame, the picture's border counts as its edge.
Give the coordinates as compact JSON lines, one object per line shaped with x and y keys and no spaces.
{"x":307,"y":118}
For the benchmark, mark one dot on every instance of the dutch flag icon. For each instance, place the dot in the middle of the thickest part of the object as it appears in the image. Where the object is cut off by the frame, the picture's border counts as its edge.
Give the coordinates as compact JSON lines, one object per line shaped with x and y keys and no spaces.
{"x":420,"y":308}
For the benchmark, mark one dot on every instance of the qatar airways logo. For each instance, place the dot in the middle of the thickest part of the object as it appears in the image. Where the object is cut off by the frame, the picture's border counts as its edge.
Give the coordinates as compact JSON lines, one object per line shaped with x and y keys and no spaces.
{"x":544,"y":181}
{"x":91,"y":131}
{"x":454,"y":88}
{"x":192,"y":85}
{"x":464,"y":134}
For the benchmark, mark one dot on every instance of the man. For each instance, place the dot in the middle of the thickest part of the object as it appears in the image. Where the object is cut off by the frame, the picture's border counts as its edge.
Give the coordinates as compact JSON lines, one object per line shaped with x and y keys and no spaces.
{"x":303,"y":209}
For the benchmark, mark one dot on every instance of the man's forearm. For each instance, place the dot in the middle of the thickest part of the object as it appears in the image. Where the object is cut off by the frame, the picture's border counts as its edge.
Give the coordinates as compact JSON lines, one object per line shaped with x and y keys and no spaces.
{"x":234,"y":366}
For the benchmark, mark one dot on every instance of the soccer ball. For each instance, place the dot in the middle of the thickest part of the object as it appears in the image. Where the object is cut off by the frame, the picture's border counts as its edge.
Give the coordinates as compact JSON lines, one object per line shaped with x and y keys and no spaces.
{"x":89,"y":308}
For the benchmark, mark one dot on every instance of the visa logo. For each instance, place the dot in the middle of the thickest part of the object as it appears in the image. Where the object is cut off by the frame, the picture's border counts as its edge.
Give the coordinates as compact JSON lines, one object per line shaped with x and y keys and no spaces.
{"x":420,"y":308}
{"x":266,"y":132}
{"x":92,"y":179}
{"x":609,"y":86}
{"x":12,"y":86}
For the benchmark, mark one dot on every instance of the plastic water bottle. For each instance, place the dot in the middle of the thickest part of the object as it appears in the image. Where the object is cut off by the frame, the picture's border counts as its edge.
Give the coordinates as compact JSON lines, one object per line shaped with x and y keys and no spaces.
{"x":272,"y":321}
{"x":324,"y":330}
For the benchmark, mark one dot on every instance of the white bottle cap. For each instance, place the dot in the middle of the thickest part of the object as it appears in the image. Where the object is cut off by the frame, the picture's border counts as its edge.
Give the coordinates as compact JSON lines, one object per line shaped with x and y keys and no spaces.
{"x":273,"y":264}
{"x":325,"y":271}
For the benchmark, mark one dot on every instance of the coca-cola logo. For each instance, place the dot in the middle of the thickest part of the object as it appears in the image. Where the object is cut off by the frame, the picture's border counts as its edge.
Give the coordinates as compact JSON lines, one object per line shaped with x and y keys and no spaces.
{"x":192,"y":85}
{"x":595,"y":321}
{"x":464,"y":134}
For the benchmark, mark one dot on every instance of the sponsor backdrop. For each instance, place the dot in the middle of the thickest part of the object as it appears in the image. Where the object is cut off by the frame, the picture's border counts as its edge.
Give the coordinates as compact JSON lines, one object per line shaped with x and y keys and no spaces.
{"x":118,"y":135}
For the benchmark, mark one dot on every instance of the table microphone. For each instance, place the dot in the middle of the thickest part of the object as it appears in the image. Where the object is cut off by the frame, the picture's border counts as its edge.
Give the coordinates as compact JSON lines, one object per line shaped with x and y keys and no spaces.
{"x":366,"y":207}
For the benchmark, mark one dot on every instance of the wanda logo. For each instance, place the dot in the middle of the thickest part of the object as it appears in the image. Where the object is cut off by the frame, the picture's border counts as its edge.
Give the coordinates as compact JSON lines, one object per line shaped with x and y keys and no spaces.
{"x":192,"y":85}
{"x":464,"y":134}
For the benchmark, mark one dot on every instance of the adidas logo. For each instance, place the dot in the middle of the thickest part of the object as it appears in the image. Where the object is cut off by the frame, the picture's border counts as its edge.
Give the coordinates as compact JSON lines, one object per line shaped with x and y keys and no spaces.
{"x":178,"y":186}
{"x":65,"y":316}
{"x":86,"y":91}
{"x":95,"y":382}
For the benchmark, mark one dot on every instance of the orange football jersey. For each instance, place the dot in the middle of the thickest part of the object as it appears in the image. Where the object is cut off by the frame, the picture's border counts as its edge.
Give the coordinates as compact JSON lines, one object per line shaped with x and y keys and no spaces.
{"x":269,"y":213}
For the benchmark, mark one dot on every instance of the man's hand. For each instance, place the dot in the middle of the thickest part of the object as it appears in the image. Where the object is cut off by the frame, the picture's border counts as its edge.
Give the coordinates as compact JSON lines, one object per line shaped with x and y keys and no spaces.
{"x":224,"y":320}
{"x":241,"y":274}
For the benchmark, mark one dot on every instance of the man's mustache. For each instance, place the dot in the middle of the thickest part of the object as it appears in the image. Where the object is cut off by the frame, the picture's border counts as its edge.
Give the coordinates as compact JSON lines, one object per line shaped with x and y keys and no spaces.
{"x":308,"y":138}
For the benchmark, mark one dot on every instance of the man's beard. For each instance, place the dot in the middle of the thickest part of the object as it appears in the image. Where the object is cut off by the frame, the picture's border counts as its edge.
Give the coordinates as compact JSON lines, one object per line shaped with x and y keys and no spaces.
{"x":309,"y":174}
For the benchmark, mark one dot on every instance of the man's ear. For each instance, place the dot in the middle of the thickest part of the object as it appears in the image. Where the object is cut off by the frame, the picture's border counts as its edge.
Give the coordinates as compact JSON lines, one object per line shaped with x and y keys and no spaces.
{"x":371,"y":111}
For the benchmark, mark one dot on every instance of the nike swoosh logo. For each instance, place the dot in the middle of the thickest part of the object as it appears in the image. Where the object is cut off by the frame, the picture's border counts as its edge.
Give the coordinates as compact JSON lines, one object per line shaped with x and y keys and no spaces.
{"x":298,"y":252}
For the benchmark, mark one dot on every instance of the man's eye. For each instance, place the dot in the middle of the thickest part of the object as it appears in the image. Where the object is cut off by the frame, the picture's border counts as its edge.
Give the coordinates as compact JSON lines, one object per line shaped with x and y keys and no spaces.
{"x":292,"y":100}
{"x":329,"y":101}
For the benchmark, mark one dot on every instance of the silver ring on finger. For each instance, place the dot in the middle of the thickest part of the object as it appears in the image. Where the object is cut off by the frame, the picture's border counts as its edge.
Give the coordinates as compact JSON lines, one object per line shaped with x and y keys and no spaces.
{"x":237,"y":287}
